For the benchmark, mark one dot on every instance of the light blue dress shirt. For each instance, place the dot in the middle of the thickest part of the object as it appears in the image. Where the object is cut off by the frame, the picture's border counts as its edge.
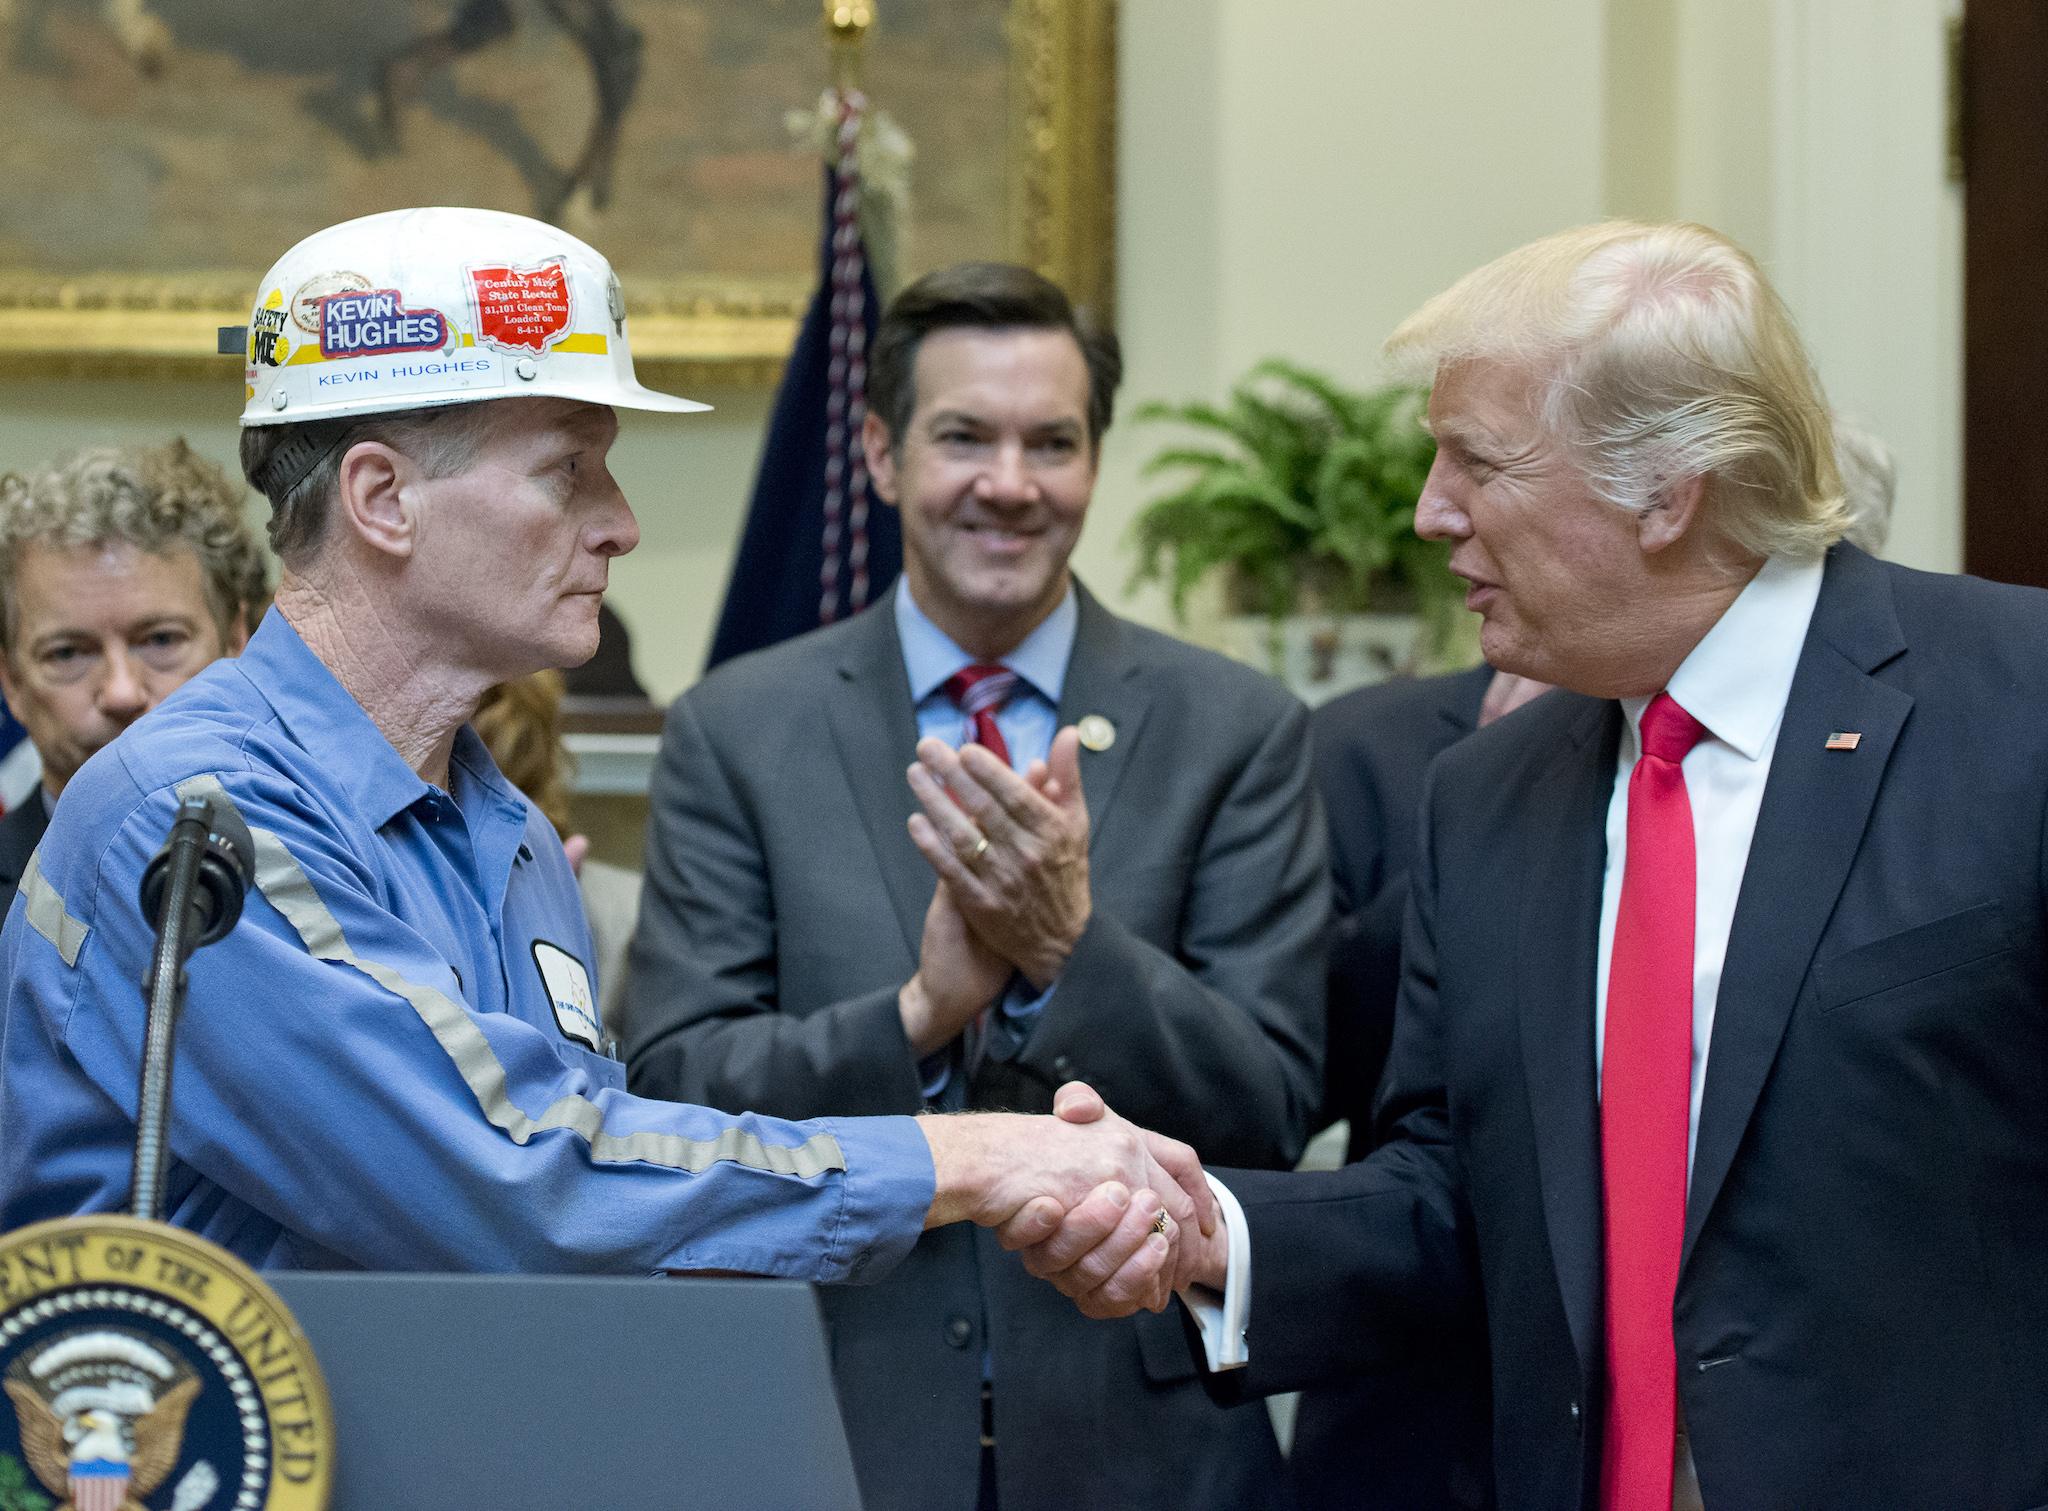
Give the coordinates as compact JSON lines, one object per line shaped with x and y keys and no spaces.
{"x":1028,"y":721}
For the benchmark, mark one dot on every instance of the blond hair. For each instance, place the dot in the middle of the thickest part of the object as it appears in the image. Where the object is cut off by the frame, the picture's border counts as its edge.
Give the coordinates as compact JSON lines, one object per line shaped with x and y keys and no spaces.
{"x":521,"y":724}
{"x":1661,"y":355}
{"x":1870,"y":479}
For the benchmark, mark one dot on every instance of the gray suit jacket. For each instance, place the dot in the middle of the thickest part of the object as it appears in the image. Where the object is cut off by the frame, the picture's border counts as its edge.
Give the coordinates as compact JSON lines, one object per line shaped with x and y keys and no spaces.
{"x":783,"y":910}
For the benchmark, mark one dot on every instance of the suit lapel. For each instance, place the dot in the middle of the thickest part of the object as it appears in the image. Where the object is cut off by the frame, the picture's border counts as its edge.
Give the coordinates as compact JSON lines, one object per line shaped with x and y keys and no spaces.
{"x":1816,"y":806}
{"x":1555,"y":963}
{"x":875,"y":727}
{"x":1103,"y":678}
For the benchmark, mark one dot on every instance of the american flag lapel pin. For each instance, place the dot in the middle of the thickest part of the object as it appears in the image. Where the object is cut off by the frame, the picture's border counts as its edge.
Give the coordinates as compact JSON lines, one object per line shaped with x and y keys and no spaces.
{"x":1845,"y":739}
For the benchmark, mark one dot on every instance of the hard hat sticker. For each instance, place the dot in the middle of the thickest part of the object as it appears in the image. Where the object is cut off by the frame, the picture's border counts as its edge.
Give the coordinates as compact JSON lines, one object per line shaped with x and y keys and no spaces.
{"x":306,"y":302}
{"x":376,"y":322}
{"x":267,"y":343}
{"x":418,"y":372}
{"x":521,"y":309}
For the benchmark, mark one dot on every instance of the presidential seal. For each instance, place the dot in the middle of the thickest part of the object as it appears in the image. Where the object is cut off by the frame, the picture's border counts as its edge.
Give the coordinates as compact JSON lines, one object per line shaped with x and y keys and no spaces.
{"x":146,"y":1370}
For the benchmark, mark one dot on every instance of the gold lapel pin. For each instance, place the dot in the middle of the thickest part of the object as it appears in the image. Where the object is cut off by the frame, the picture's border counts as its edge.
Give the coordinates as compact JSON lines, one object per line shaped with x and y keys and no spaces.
{"x":1097,"y":733}
{"x":1845,"y":739}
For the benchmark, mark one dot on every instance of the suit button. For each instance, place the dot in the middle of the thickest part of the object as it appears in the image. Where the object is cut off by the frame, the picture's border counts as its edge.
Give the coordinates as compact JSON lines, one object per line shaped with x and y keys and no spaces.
{"x":1575,"y":1411}
{"x":959,"y":1332}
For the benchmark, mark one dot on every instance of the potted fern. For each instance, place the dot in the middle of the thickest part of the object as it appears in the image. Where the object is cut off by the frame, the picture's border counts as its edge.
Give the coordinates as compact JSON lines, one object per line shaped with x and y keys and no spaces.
{"x":1301,"y":493}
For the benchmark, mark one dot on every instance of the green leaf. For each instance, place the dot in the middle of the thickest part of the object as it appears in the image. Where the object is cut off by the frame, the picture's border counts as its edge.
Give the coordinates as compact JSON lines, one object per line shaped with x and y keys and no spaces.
{"x":16,"y":1493}
{"x":1308,"y":482}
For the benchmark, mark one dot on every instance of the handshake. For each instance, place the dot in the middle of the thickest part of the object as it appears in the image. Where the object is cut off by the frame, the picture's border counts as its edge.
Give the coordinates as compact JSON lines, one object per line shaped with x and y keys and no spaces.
{"x":1117,"y":1218}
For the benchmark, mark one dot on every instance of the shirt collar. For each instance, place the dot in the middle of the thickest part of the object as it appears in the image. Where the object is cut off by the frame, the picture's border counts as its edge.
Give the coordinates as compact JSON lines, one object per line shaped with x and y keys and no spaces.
{"x":930,"y":656}
{"x":1736,"y":680}
{"x":324,"y":717}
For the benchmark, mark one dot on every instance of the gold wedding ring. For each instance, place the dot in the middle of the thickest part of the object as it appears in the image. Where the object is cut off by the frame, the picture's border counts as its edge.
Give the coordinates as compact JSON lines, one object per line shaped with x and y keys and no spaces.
{"x":980,"y":849}
{"x":1159,"y":1223}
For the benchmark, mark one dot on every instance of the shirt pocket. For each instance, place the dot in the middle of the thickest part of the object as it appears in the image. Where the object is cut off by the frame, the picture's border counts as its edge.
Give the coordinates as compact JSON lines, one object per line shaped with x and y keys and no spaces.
{"x":1971,"y":937}
{"x":602,"y":1072}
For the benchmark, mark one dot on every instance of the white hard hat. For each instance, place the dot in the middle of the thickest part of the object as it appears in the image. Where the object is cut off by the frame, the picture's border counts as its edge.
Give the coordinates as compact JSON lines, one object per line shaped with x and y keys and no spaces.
{"x":415,"y":309}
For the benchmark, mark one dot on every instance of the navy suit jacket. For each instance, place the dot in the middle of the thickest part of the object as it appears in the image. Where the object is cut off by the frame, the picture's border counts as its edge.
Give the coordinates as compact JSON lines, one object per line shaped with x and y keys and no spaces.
{"x":1412,"y":1437}
{"x":1371,"y":748}
{"x":1862,"y":1308}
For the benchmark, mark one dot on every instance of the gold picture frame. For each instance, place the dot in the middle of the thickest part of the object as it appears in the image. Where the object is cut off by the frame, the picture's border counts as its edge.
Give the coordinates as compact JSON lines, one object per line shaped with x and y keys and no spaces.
{"x":1058,"y":215}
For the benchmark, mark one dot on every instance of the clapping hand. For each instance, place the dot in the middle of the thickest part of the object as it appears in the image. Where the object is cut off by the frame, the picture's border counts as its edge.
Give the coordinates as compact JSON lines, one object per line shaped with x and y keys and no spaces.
{"x":1013,"y":849}
{"x":957,"y":976}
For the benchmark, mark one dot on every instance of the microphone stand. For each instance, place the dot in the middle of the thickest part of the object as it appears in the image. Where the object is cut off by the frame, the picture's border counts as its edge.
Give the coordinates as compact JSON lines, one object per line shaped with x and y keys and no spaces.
{"x":181,"y":925}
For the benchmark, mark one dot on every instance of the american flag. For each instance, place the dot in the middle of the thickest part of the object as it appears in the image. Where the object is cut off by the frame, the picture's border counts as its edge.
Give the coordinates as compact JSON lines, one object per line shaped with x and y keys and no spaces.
{"x":817,"y":545}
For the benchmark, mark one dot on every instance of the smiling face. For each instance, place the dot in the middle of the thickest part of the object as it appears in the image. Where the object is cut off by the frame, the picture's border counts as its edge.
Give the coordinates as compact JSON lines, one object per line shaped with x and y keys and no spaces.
{"x":101,"y":635}
{"x":514,"y":551}
{"x":992,"y":477}
{"x":1560,"y":576}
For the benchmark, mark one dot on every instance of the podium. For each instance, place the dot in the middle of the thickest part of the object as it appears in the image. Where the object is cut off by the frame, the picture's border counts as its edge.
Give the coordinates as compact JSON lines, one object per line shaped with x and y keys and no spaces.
{"x":543,"y":1391}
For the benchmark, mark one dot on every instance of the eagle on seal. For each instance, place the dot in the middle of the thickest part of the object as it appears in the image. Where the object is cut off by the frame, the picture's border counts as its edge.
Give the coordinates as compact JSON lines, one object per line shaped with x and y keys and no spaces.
{"x":100,"y":1459}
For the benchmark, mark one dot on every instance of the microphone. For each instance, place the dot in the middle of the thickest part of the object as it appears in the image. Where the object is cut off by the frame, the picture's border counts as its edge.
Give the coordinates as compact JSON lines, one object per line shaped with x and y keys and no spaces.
{"x":222,"y":869}
{"x":192,"y":893}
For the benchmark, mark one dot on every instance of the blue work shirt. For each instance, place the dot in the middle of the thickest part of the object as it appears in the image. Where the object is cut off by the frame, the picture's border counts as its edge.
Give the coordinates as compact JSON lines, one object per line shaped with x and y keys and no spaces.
{"x":1028,"y":722}
{"x":392,"y":1061}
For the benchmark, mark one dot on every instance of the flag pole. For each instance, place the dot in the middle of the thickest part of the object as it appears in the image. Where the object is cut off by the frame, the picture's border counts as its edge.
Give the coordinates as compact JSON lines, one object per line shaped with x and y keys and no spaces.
{"x":816,"y":548}
{"x":847,"y":23}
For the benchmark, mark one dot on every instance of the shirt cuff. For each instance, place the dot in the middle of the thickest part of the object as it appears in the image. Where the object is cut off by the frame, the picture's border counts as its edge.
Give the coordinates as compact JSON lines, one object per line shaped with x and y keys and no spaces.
{"x":1224,"y":1321}
{"x":886,"y":1190}
{"x":1019,"y":1003}
{"x":1016,"y":1013}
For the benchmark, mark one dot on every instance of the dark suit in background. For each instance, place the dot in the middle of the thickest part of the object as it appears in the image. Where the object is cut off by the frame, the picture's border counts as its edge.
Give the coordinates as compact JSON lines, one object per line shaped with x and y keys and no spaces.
{"x":1860,"y":1317}
{"x":1371,"y":748}
{"x":20,"y":832}
{"x":783,"y":910}
{"x":1411,"y":1437}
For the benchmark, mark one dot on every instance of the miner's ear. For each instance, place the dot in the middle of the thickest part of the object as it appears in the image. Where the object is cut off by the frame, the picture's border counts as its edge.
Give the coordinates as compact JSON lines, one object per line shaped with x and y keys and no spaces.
{"x":377,"y":497}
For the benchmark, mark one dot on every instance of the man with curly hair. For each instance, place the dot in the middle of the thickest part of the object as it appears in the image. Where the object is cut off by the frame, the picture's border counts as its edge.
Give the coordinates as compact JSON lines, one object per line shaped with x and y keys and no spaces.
{"x":123,"y":571}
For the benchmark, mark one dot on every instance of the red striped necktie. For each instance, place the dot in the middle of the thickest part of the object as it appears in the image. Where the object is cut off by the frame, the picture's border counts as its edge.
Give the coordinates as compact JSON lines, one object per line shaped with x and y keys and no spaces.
{"x":979,"y":691}
{"x":1645,"y":1100}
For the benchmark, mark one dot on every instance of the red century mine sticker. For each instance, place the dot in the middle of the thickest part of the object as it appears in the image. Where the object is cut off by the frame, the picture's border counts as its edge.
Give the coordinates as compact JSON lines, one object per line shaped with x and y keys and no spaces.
{"x":521,"y":309}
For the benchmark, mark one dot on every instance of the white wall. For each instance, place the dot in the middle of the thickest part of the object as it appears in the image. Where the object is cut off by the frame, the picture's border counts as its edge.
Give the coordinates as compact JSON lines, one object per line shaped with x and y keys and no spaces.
{"x":1869,"y":240}
{"x":1811,"y":131}
{"x":1296,"y":175}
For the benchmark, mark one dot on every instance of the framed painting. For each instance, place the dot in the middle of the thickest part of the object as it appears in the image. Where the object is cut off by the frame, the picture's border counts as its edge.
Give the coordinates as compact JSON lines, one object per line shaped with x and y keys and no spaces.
{"x":160,"y":153}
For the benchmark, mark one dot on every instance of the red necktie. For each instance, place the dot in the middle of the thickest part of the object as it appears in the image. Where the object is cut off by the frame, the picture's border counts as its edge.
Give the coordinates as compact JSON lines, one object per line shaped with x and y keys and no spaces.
{"x":978,"y":691}
{"x":1645,"y":1094}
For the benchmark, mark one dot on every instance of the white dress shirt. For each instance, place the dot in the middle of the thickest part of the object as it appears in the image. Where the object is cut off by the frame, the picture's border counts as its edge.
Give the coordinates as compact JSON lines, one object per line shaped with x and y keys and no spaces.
{"x":1735,"y":682}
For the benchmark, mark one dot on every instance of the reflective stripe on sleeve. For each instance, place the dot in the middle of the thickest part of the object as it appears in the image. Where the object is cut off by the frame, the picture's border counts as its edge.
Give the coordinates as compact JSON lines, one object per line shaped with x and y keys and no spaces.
{"x":285,"y":887}
{"x":47,"y":914}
